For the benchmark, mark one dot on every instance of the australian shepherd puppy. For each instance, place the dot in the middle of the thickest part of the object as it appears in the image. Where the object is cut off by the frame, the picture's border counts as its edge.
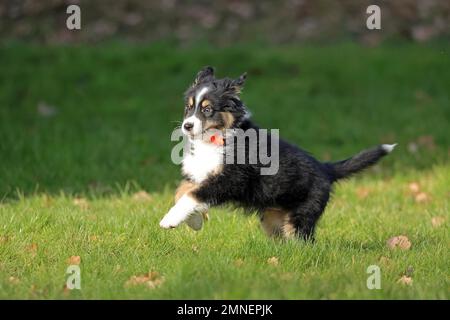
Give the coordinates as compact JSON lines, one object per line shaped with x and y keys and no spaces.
{"x":289,"y":201}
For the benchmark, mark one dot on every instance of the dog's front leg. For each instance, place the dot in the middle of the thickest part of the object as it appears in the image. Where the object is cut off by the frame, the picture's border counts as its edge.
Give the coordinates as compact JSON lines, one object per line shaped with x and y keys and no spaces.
{"x":186,"y":206}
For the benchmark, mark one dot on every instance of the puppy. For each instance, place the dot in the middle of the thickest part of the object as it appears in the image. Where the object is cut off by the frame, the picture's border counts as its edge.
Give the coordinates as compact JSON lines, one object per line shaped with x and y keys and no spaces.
{"x":289,"y":201}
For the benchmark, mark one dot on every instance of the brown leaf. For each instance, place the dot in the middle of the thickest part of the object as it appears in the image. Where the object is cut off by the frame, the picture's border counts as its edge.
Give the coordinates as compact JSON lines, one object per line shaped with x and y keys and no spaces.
{"x":13,"y":280}
{"x":151,"y":280}
{"x":74,"y":260}
{"x":437,"y":221}
{"x":385,"y":260}
{"x":422,"y":197}
{"x":45,"y":110}
{"x":142,"y":196}
{"x":82,"y":203}
{"x":413,"y":147}
{"x":288,"y":276}
{"x":401,"y":242}
{"x":66,"y":291}
{"x":273,"y":261}
{"x":32,"y":248}
{"x":414,"y":187}
{"x":362,"y":192}
{"x":405,"y":280}
{"x":93,"y":238}
{"x":238,"y":262}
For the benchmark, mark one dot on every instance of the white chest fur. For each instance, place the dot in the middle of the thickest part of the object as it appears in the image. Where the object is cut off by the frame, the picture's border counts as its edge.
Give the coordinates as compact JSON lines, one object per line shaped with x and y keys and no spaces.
{"x":203,"y":159}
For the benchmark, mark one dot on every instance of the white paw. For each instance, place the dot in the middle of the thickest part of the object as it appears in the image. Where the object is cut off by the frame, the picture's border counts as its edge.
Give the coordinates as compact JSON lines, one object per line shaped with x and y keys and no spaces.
{"x":184,"y":209}
{"x":171,"y":220}
{"x":195,"y":221}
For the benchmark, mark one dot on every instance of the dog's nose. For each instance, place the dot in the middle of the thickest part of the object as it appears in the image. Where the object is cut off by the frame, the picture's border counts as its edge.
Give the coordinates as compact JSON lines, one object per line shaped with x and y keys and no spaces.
{"x":188,"y":126}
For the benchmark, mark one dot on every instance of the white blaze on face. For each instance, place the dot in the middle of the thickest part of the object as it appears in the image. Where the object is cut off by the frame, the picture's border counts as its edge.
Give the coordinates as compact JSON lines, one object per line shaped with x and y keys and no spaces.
{"x":197,"y":128}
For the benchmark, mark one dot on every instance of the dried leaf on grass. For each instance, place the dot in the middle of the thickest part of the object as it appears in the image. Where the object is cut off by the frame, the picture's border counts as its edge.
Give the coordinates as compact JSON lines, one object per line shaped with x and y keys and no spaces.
{"x":13,"y":280}
{"x":82,"y":203}
{"x":142,"y":196}
{"x":151,"y":280}
{"x":362,"y":192}
{"x":437,"y":221}
{"x":238,"y":262}
{"x":401,"y":242}
{"x":273,"y":261}
{"x":74,"y":260}
{"x":416,"y":191}
{"x":405,"y":280}
{"x":422,"y":197}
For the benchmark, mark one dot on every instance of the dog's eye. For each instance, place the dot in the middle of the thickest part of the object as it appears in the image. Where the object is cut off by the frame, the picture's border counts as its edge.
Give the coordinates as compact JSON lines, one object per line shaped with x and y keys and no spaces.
{"x":207,"y":110}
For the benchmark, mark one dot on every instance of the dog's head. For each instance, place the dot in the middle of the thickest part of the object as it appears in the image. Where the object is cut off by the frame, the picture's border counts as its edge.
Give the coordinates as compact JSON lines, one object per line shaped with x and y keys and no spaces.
{"x":212,"y":103}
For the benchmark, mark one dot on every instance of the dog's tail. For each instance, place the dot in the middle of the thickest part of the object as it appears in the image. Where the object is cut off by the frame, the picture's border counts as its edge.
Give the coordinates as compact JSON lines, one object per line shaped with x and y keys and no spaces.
{"x":364,"y":159}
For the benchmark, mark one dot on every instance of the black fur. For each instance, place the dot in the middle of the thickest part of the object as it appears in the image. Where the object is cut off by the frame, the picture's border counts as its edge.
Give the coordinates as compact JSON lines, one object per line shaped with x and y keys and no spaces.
{"x":302,"y":185}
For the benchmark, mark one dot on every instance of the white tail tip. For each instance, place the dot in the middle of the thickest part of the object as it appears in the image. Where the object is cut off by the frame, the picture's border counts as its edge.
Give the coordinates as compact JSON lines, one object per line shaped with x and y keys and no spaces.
{"x":388,"y":147}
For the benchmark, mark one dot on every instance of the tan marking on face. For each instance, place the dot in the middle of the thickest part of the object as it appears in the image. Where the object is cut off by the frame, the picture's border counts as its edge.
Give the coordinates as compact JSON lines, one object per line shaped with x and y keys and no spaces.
{"x":211,"y":124}
{"x":276,"y":223}
{"x":206,"y":103}
{"x":191,"y":101}
{"x":228,"y":119}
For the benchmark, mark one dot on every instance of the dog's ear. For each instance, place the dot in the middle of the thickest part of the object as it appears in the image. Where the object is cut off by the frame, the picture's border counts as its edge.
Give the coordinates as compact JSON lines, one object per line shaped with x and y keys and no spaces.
{"x":238,"y":83}
{"x":207,"y":73}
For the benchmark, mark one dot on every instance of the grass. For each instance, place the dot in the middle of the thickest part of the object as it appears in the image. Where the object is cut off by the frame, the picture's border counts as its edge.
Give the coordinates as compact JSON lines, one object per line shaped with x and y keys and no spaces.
{"x":107,"y":136}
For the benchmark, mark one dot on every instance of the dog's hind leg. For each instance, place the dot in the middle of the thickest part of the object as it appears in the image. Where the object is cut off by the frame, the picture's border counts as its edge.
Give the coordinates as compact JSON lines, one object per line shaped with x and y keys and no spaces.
{"x":303,"y":219}
{"x":275,"y":223}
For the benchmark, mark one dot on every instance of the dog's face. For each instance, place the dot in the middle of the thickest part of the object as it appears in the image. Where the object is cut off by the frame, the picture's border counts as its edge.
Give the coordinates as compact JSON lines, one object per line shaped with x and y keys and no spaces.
{"x":212,"y":103}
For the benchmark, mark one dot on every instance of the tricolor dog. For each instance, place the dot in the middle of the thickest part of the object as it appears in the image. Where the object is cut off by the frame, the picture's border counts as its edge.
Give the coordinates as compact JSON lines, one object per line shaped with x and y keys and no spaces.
{"x":289,"y":202}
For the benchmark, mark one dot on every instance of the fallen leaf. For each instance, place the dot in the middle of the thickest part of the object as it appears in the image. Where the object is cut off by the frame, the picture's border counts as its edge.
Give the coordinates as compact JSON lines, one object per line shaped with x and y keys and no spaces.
{"x":4,"y":239}
{"x":273,"y":261}
{"x":422,"y":197}
{"x":437,"y":221}
{"x":66,"y":291}
{"x":46,"y":110}
{"x":151,"y":280}
{"x":427,"y":141}
{"x":13,"y":280}
{"x":414,"y":187}
{"x":405,"y":280}
{"x":33,"y":249}
{"x":238,"y":262}
{"x":413,"y":147}
{"x":401,"y":242}
{"x":286,"y":276}
{"x":422,"y":96}
{"x":93,"y":238}
{"x":362,"y":192}
{"x":385,"y":260}
{"x":74,"y":260}
{"x":81,"y":203}
{"x":142,"y":196}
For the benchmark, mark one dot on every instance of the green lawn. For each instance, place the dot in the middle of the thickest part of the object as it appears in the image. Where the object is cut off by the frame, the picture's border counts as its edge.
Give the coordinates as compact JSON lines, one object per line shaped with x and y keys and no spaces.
{"x":83,"y":129}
